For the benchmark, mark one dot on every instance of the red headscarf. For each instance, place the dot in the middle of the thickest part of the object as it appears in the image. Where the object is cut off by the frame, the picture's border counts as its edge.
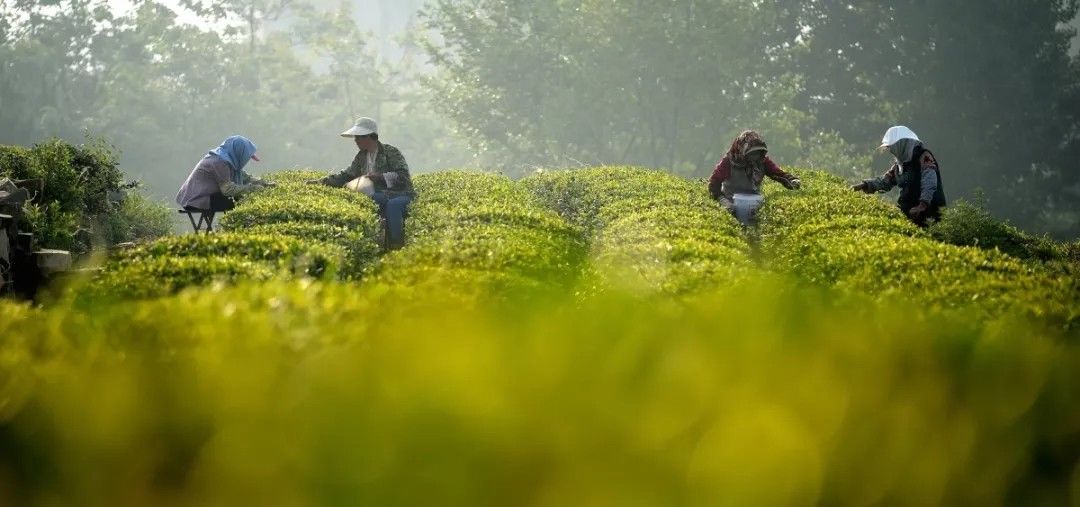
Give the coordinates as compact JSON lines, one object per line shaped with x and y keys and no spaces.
{"x":747,"y":142}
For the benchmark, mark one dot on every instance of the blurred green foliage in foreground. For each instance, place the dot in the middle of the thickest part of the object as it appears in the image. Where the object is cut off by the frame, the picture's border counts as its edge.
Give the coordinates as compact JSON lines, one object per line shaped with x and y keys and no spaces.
{"x":563,"y":340}
{"x":295,"y":393}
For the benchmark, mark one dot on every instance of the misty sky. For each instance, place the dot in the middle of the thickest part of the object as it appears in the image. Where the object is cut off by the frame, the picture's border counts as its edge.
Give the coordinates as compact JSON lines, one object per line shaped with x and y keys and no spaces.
{"x":371,"y":15}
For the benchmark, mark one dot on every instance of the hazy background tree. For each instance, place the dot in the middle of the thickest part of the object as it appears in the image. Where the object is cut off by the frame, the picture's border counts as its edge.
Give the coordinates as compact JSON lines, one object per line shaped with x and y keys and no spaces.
{"x":652,"y":83}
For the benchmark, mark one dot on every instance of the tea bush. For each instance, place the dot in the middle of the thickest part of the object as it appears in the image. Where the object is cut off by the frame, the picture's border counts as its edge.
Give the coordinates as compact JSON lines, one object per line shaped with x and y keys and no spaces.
{"x":829,"y":235}
{"x":156,"y":277}
{"x":299,"y":393}
{"x":443,"y":379}
{"x":361,"y":251}
{"x":472,"y":232}
{"x":651,"y":232}
{"x":312,"y":213}
{"x":297,"y":202}
{"x":300,"y":257}
{"x":170,"y":264}
{"x":968,"y":223}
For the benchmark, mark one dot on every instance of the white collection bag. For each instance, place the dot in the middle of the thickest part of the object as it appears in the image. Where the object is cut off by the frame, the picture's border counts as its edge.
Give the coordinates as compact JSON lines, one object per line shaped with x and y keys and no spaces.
{"x":363,"y":184}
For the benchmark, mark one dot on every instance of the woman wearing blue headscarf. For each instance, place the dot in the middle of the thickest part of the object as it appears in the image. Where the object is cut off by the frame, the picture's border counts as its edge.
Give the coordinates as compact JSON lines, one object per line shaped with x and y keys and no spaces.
{"x":219,"y":177}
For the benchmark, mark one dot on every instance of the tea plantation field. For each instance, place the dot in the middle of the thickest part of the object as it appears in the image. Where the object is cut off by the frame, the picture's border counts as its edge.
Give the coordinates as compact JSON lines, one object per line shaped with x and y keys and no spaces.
{"x":601,"y":336}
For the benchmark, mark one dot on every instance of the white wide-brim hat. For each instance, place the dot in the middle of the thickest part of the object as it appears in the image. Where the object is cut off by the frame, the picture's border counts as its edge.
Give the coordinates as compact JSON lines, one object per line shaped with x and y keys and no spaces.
{"x":363,"y":127}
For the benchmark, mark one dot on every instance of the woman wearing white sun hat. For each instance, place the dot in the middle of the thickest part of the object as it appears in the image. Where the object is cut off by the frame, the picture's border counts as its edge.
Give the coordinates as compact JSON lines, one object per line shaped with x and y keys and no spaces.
{"x":380,"y":171}
{"x":915,"y":170}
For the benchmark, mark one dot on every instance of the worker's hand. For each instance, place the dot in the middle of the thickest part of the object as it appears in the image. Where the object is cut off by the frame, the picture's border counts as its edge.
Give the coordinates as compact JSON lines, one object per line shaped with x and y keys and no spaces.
{"x":861,"y":187}
{"x":377,"y":178}
{"x":918,"y":211}
{"x":795,"y":184}
{"x":726,"y":203}
{"x":314,"y":182}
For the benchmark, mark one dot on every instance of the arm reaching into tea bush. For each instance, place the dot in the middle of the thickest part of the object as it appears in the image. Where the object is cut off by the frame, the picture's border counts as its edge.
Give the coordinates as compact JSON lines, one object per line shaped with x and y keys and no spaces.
{"x":219,"y":176}
{"x":250,"y":184}
{"x":743,"y":168}
{"x":915,"y":171}
{"x":775,"y":173}
{"x":883,"y":183}
{"x":382,"y":163}
{"x":391,"y":171}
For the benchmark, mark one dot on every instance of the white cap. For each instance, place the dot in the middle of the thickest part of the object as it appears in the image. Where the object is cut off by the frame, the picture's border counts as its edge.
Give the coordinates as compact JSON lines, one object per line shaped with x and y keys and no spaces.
{"x":363,"y":127}
{"x":895,"y":134}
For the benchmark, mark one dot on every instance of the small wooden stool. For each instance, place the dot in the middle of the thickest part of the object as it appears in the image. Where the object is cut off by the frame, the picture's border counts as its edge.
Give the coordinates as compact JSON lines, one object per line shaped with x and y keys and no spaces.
{"x":206,"y":219}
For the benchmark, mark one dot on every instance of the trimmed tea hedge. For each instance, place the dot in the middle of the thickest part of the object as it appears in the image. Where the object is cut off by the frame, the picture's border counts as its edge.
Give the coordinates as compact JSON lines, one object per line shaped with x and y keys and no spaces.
{"x":651,"y":232}
{"x":398,"y":392}
{"x":830,"y":235}
{"x":155,"y":277}
{"x":309,"y":258}
{"x":481,"y":232}
{"x":967,"y":223}
{"x":312,"y":213}
{"x":309,"y":393}
{"x":169,"y":264}
{"x":297,"y":202}
{"x":361,"y":251}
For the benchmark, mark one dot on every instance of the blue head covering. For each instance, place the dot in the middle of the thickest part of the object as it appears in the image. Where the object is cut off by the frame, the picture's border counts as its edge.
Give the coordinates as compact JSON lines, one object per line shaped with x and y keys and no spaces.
{"x":235,"y":151}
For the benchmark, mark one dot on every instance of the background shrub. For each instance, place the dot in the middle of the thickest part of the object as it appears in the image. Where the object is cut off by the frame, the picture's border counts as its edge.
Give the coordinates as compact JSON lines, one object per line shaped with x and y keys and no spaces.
{"x":74,"y":209}
{"x":18,"y":163}
{"x":137,"y":218}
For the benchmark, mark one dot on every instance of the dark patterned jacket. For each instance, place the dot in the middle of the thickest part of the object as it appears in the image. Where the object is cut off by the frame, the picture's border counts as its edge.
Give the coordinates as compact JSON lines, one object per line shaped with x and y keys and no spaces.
{"x":919,"y":180}
{"x":388,"y":161}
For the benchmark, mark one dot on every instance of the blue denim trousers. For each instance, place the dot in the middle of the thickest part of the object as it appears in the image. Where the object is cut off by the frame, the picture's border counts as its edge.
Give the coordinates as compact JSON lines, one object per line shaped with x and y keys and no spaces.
{"x":394,"y":209}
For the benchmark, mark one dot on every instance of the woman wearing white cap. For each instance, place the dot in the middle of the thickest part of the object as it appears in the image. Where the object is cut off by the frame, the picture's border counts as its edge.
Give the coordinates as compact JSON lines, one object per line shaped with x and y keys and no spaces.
{"x":219,"y":177}
{"x":915,"y":171}
{"x":381,"y":172}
